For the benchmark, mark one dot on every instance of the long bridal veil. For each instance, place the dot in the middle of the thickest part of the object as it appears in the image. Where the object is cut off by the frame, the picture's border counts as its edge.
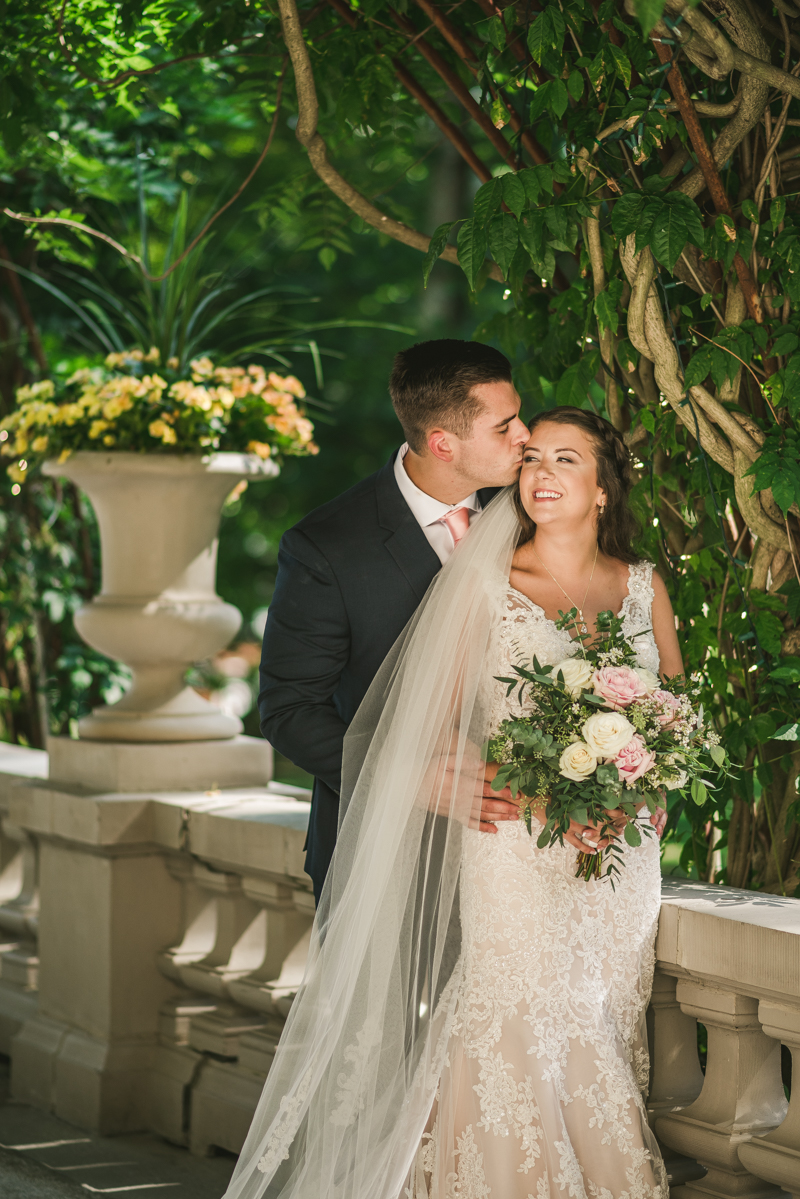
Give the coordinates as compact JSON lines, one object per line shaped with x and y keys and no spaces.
{"x":354,"y":1077}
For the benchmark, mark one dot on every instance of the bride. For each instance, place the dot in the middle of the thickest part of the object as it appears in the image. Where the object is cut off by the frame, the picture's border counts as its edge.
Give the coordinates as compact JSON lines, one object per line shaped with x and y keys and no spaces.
{"x":471,"y":1021}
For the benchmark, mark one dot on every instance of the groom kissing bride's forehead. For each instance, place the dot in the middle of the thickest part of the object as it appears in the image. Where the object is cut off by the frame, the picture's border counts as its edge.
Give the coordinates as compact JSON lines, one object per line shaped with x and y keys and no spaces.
{"x":352,"y":573}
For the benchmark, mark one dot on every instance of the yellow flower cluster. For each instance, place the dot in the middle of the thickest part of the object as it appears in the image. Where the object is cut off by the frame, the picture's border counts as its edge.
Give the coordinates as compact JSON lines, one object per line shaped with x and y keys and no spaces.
{"x":39,"y":424}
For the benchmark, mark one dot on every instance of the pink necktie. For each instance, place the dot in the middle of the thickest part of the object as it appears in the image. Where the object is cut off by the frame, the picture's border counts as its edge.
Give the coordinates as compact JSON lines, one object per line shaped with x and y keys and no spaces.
{"x":457,"y":522}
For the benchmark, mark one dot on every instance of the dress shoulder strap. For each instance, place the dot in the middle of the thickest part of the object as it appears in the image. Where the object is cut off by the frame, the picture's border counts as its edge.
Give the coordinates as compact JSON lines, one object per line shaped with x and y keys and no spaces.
{"x":640,"y":580}
{"x":639,"y":600}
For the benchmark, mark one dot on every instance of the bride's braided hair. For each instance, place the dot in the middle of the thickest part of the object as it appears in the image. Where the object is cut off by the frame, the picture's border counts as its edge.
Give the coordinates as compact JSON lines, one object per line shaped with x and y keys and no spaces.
{"x":617,"y":527}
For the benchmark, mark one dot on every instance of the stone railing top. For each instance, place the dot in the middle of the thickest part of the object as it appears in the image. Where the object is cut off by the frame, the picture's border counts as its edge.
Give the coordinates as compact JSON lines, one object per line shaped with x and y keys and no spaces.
{"x":21,"y":762}
{"x":742,"y":941}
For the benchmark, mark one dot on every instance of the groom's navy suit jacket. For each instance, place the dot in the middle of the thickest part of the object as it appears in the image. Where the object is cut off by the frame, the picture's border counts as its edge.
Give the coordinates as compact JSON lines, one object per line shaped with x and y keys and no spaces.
{"x":350,"y":576}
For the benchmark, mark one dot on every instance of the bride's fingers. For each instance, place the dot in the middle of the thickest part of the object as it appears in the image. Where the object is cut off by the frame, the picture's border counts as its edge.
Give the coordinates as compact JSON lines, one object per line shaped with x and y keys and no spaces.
{"x":575,"y":841}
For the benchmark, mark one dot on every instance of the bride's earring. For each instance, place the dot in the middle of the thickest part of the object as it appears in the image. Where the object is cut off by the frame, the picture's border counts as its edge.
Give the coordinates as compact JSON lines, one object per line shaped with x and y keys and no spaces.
{"x":602,"y":508}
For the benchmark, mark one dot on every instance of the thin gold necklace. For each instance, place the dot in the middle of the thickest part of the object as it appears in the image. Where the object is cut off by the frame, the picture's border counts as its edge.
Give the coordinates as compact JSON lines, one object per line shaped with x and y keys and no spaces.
{"x":579,"y":607}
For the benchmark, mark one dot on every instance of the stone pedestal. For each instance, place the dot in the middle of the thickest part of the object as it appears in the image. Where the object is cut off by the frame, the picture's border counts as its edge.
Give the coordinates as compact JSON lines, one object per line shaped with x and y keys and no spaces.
{"x":108,"y":906}
{"x":125,"y":766}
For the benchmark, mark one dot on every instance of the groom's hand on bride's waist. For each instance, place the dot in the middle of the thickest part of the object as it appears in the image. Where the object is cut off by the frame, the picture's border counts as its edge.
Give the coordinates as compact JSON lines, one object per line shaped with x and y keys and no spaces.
{"x":495,"y":805}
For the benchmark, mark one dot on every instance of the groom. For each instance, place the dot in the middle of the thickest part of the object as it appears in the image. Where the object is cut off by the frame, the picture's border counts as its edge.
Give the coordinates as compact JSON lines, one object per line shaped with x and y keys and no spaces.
{"x":351,"y":574}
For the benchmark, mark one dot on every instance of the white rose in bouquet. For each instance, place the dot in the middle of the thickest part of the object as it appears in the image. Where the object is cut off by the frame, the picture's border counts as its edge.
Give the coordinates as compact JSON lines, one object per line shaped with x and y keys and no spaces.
{"x":577,"y":762}
{"x":650,"y":680}
{"x":577,"y":674}
{"x":607,"y":733}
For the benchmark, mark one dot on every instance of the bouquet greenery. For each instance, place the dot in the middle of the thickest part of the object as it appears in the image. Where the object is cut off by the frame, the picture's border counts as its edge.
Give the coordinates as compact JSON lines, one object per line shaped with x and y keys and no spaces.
{"x":600,"y":736}
{"x":132,"y":404}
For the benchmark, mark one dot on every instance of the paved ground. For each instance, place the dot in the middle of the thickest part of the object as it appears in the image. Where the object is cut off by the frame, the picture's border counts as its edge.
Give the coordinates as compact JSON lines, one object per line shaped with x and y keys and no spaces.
{"x":42,"y":1157}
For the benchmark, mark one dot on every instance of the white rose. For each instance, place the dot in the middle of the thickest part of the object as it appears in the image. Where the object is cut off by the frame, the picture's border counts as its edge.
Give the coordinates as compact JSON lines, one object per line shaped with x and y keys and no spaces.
{"x":607,"y":733}
{"x":650,"y":680}
{"x":577,"y":674}
{"x":577,"y":762}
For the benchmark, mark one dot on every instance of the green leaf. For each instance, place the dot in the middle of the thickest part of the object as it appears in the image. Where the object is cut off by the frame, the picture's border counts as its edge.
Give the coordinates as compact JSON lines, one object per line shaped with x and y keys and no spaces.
{"x":573,"y":386}
{"x":717,"y":754}
{"x":648,"y":420}
{"x":472,"y":242}
{"x":596,"y":71}
{"x":669,"y":237}
{"x":621,"y":62}
{"x":487,"y":200}
{"x":627,"y":214}
{"x":789,"y":732}
{"x":503,"y":240}
{"x":543,"y":840}
{"x":791,"y":386}
{"x":632,"y":834}
{"x":750,"y":210}
{"x":627,"y":354}
{"x":538,"y":38}
{"x":785,"y":343}
{"x":438,"y":243}
{"x":559,"y":98}
{"x":605,"y":309}
{"x":699,"y":792}
{"x":575,"y":85}
{"x":777,"y":210}
{"x":327,"y":256}
{"x":496,"y":33}
{"x":692,"y":217}
{"x":563,"y":230}
{"x":540,"y":101}
{"x":648,"y":12}
{"x":513,"y":190}
{"x":531,"y":234}
{"x":786,"y":487}
{"x":546,"y":34}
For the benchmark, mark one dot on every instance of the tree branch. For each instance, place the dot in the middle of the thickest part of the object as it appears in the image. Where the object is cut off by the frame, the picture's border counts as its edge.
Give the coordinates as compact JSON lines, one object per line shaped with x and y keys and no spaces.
{"x":426,"y":102}
{"x":467,"y":56}
{"x":710,"y":173}
{"x":309,"y":137}
{"x":461,"y":93}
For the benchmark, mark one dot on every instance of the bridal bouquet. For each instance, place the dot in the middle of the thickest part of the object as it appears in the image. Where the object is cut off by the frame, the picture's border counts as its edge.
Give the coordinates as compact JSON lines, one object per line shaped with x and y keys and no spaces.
{"x":138,"y":404}
{"x":598,"y":737}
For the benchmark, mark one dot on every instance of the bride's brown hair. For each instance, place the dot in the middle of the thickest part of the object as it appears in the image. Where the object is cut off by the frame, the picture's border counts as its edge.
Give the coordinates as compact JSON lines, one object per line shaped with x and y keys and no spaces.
{"x":616,"y":524}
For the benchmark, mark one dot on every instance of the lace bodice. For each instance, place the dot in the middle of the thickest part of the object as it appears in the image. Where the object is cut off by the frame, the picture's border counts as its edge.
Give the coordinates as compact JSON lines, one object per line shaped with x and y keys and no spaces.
{"x":524,"y":630}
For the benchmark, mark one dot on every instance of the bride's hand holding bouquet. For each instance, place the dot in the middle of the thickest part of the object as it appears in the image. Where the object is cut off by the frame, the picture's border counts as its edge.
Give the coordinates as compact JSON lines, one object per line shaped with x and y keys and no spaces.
{"x":600,"y":739}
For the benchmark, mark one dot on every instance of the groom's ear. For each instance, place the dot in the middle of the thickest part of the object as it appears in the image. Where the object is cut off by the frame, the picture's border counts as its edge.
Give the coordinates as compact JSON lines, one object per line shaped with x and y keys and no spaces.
{"x":440,"y":444}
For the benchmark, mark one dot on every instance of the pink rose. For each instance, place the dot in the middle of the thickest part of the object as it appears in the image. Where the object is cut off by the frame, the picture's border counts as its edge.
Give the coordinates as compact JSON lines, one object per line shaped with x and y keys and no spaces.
{"x":634,"y":760}
{"x":618,"y":685}
{"x":670,"y":707}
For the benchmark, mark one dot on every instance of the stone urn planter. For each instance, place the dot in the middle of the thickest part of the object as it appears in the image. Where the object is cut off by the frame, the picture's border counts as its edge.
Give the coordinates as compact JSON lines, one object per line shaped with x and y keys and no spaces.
{"x":158,"y":610}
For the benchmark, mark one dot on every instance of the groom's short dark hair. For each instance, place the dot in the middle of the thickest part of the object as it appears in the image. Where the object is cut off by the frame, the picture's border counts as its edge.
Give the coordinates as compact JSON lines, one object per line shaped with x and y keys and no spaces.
{"x":431,"y":385}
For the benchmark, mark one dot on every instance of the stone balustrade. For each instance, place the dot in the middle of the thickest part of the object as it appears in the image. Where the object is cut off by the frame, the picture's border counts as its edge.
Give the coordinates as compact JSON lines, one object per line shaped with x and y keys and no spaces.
{"x":172,"y":930}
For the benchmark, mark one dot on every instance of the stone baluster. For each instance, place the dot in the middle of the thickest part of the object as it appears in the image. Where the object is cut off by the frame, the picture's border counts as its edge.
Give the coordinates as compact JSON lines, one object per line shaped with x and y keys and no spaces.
{"x":19,"y":910}
{"x":224,"y":940}
{"x":742,"y":1095}
{"x":240,"y":933}
{"x":776,"y":1156}
{"x":676,"y":1078}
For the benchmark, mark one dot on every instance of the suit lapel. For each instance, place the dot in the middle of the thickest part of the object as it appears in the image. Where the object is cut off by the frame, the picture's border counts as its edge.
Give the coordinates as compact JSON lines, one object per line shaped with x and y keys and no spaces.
{"x":405,"y":540}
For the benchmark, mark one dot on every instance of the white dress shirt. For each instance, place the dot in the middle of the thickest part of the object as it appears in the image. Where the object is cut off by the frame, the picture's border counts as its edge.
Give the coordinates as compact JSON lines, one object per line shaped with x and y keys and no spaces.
{"x":428,"y":512}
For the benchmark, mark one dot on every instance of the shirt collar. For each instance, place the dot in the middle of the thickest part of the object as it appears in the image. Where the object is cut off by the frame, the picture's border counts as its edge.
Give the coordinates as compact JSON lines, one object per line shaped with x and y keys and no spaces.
{"x":426,"y":509}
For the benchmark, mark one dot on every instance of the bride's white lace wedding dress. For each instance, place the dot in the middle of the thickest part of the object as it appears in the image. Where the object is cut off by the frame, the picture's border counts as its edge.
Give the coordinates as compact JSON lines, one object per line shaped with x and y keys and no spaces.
{"x":541,"y":1093}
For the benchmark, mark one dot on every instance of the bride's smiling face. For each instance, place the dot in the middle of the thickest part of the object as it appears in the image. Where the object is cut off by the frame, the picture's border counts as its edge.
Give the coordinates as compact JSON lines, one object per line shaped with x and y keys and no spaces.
{"x":558,"y":480}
